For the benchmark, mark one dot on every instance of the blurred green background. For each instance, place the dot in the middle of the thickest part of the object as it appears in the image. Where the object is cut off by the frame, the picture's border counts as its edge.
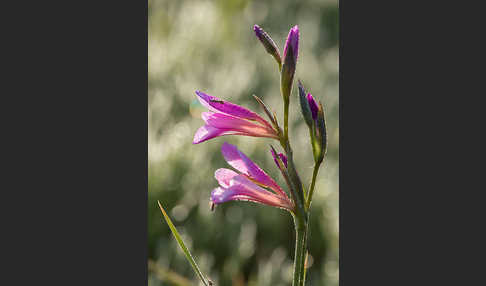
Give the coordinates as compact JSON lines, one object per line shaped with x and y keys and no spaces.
{"x":210,"y":46}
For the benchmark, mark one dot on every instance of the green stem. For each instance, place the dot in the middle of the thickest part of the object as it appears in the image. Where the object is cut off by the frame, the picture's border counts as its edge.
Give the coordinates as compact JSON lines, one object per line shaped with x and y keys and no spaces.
{"x":304,"y":270}
{"x":313,"y":183}
{"x":300,"y":250}
{"x":286,"y":122}
{"x":300,"y":216}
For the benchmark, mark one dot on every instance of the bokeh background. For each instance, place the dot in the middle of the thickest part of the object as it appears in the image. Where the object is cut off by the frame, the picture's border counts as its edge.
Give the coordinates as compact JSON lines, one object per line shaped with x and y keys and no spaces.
{"x":210,"y":46}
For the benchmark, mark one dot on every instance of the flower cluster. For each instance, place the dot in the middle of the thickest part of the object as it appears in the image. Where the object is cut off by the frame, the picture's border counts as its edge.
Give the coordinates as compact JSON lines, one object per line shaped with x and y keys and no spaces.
{"x":251,"y":183}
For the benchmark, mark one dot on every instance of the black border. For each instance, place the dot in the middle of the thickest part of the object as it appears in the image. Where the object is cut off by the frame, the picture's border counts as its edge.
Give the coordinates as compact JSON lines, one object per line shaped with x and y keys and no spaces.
{"x":75,"y":131}
{"x":77,"y":154}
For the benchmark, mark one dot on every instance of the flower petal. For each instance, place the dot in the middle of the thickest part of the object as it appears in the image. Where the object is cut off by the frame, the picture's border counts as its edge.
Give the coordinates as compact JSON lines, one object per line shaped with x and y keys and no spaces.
{"x":224,"y":176}
{"x":242,"y":188}
{"x":207,"y":132}
{"x":242,"y":163}
{"x":223,"y":121}
{"x":218,"y":105}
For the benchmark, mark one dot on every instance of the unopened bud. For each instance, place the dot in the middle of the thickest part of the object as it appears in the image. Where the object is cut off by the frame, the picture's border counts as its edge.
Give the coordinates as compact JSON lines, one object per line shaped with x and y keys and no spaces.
{"x":290,"y":55}
{"x":268,"y":43}
{"x":321,"y":132}
{"x":279,"y":157}
{"x":313,"y":106}
{"x":305,"y":107}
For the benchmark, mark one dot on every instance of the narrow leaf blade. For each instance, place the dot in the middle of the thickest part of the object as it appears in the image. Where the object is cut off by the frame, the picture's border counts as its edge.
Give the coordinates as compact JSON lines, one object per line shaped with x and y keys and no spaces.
{"x":183,"y":246}
{"x":265,"y":108}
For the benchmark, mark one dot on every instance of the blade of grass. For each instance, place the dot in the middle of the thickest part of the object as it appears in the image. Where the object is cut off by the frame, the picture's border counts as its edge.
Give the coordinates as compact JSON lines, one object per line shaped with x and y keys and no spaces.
{"x":166,"y":275}
{"x":183,"y":247}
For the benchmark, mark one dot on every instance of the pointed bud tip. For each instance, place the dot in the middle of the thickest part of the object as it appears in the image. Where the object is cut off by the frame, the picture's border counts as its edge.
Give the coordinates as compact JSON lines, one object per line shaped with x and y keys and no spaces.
{"x":267,"y":43}
{"x":313,"y":106}
{"x":290,"y":56}
{"x":257,"y":30}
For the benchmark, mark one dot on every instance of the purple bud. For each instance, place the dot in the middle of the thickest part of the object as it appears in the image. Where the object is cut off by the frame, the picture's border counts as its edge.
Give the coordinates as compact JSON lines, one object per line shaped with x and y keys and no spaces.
{"x":305,"y":106}
{"x":282,"y":157}
{"x":293,"y":42}
{"x":268,"y":43}
{"x":290,"y":55}
{"x":313,"y":106}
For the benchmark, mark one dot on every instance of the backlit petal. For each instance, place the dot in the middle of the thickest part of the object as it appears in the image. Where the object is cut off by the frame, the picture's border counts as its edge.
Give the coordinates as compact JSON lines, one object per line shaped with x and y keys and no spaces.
{"x":223,"y":121}
{"x":242,"y":188}
{"x":224,"y":176}
{"x":218,"y":105}
{"x":242,"y":163}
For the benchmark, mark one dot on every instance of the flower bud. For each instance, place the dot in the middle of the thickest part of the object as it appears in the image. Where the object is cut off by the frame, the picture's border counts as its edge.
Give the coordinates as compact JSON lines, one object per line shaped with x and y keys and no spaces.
{"x":292,"y":44}
{"x":314,"y":118}
{"x":290,"y":54}
{"x":313,"y":106}
{"x":268,"y":43}
{"x":305,"y":106}
{"x":282,"y":157}
{"x":321,"y":132}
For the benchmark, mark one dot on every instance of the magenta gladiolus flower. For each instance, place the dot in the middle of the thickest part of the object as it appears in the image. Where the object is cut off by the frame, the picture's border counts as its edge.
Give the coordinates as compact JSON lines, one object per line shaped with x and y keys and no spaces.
{"x":226,"y":118}
{"x":251,"y":184}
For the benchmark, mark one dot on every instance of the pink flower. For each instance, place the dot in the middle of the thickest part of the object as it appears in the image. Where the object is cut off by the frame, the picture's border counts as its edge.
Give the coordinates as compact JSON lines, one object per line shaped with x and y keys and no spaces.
{"x":251,"y":184}
{"x":226,"y":118}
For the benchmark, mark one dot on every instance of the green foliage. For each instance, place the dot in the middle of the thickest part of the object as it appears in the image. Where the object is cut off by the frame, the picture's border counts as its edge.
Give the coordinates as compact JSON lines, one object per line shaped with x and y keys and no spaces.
{"x":184,"y":248}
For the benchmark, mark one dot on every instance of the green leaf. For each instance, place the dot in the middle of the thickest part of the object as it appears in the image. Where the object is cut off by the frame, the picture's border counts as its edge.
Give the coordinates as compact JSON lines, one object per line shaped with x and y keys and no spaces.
{"x":184,"y":248}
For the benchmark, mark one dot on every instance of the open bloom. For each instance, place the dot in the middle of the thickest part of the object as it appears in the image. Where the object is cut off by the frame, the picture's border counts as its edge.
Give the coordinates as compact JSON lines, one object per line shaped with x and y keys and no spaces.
{"x":226,"y":118}
{"x":251,"y":184}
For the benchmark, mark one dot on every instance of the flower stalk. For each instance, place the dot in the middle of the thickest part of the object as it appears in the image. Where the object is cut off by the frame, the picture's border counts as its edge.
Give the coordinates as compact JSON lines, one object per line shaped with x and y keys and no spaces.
{"x":301,"y":227}
{"x":313,"y":183}
{"x":250,"y":182}
{"x":301,"y":215}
